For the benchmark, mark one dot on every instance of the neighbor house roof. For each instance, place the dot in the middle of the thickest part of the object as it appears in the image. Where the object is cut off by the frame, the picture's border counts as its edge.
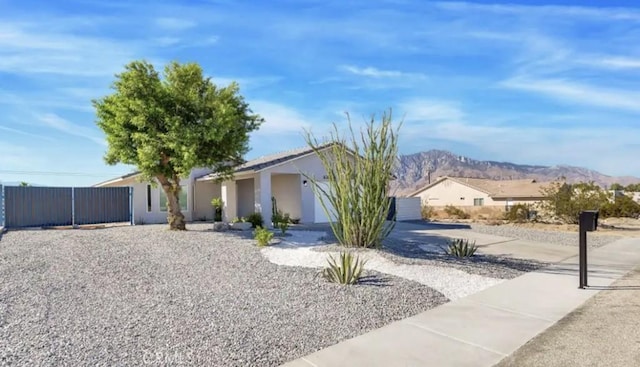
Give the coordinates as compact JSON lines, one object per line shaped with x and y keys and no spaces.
{"x":497,"y":189}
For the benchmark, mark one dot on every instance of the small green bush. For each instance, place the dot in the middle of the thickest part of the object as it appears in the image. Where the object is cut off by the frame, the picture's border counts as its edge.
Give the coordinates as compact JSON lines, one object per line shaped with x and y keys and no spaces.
{"x":281,"y":221}
{"x":459,"y":247}
{"x":518,"y":213}
{"x":347,"y":269}
{"x":622,"y":207}
{"x":283,"y":226}
{"x":455,"y":212}
{"x":263,"y":236}
{"x":426,"y":211}
{"x":255,"y":219}
{"x":217,"y":204}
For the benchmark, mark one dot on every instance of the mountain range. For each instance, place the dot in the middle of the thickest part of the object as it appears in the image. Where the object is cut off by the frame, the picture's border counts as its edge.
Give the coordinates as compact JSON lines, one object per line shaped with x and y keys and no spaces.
{"x":414,"y":171}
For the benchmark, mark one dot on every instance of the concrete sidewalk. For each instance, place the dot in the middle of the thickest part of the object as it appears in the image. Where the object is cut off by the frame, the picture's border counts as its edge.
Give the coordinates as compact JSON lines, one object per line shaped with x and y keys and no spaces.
{"x":602,"y":332}
{"x":484,"y":328}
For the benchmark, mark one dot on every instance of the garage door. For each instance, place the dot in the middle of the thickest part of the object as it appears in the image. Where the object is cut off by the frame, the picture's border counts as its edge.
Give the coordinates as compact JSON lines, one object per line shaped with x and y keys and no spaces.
{"x":320,"y":215}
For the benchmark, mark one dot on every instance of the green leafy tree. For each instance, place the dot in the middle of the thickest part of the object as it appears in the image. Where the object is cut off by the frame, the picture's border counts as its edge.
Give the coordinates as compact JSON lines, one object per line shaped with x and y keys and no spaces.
{"x":616,"y":186}
{"x":359,"y":168}
{"x":566,"y":201}
{"x":24,"y":184}
{"x":633,"y":187}
{"x":167,"y":125}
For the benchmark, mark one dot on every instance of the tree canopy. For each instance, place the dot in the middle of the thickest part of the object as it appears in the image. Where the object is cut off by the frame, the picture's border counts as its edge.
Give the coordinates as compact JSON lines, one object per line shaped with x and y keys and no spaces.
{"x":167,"y":125}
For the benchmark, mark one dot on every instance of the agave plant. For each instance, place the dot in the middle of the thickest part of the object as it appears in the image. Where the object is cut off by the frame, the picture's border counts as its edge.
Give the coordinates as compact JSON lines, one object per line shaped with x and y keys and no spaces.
{"x":347,"y":269}
{"x":460,"y":247}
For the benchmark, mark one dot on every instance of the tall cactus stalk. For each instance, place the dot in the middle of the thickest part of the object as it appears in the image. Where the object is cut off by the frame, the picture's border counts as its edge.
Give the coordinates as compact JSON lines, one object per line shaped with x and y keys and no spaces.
{"x":359,"y":167}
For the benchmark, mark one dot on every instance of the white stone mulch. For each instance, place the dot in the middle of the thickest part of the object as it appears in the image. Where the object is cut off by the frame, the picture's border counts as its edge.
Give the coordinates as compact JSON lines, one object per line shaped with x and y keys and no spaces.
{"x":298,"y":250}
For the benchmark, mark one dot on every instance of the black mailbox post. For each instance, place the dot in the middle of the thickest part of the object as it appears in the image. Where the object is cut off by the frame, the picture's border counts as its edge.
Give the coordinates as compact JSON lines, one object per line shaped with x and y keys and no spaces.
{"x":588,"y":223}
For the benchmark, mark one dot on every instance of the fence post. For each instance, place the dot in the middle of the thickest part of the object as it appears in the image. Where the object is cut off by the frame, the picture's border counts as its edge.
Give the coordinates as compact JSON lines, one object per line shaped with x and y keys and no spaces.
{"x":73,"y":207}
{"x":131,"y":220}
{"x":2,"y":207}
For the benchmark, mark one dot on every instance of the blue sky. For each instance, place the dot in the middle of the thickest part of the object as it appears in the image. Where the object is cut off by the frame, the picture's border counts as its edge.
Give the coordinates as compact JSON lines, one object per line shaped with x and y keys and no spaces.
{"x":527,"y":82}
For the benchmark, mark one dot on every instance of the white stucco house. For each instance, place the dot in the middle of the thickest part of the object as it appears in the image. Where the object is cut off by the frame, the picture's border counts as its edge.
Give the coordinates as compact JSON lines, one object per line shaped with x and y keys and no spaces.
{"x":255,"y":182}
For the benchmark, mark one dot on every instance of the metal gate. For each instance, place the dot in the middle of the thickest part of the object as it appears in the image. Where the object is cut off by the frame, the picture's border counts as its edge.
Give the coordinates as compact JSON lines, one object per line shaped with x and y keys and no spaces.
{"x":391,"y":215}
{"x":22,"y":207}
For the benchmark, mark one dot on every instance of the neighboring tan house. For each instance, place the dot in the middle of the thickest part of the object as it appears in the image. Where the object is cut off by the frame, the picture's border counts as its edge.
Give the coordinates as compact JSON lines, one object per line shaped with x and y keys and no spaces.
{"x":251,"y":190}
{"x":478,"y":192}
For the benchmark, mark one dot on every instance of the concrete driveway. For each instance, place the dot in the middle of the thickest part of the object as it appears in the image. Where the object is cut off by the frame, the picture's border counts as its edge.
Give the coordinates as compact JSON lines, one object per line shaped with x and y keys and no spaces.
{"x":439,"y":234}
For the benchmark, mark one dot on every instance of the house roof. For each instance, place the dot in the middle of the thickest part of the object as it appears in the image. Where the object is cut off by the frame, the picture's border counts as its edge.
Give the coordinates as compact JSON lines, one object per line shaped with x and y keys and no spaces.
{"x":117,"y":179}
{"x":254,"y":165}
{"x":525,"y":188}
{"x":267,"y":161}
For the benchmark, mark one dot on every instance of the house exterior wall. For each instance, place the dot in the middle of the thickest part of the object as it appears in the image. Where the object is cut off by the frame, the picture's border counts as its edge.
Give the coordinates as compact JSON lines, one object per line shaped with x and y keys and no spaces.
{"x":245,"y":196}
{"x":203,"y":193}
{"x":312,"y":166}
{"x":287,"y":189}
{"x":140,"y":213}
{"x":448,"y":192}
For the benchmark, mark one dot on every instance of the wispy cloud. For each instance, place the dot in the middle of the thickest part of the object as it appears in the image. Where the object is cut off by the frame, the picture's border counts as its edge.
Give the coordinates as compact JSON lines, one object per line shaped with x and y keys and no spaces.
{"x":279,"y":119}
{"x":17,"y":157}
{"x":583,"y":94}
{"x":619,"y":13}
{"x":620,"y":62}
{"x":430,"y":110}
{"x":56,"y":122}
{"x":175,"y":24}
{"x":373,"y":72}
{"x":34,"y":49}
{"x":25,"y":133}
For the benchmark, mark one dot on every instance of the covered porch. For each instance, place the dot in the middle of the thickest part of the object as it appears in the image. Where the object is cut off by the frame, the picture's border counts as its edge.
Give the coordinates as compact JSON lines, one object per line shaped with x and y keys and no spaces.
{"x":255,"y":192}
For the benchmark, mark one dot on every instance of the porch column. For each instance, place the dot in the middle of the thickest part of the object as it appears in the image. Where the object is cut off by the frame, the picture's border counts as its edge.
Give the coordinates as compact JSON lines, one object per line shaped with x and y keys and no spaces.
{"x":228,"y":193}
{"x":263,"y":196}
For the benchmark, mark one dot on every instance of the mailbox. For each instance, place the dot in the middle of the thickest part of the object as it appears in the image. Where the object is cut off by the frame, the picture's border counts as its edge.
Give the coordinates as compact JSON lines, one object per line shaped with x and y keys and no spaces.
{"x":589,"y":220}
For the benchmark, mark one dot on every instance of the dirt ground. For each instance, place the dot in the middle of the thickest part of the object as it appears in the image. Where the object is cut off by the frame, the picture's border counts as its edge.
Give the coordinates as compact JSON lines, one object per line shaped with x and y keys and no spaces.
{"x":602,"y":332}
{"x":627,"y":227}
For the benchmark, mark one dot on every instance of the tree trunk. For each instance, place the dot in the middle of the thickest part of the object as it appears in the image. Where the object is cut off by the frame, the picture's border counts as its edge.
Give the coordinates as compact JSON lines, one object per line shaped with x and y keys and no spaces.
{"x":174,"y":214}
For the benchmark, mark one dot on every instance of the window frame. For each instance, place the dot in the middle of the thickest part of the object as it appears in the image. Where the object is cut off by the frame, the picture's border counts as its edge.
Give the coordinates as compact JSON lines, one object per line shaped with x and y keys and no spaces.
{"x":184,"y":189}
{"x":149,"y":200}
{"x":478,"y":201}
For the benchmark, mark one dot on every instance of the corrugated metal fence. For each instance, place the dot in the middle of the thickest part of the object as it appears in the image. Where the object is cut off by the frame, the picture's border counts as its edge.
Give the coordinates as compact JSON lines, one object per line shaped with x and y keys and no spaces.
{"x":62,"y":206}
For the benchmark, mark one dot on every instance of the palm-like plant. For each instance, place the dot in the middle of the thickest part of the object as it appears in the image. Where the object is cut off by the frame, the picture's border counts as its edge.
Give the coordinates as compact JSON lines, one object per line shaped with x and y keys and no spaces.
{"x":347,"y":269}
{"x":459,"y":247}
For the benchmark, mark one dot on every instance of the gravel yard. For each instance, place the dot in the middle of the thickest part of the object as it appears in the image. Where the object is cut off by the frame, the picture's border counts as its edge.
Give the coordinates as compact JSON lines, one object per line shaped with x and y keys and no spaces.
{"x":144,"y":295}
{"x":554,"y":237}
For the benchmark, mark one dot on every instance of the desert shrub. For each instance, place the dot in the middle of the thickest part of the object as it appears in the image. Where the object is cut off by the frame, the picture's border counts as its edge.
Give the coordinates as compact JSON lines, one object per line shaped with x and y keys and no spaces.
{"x":263,"y":236}
{"x":460,"y":247}
{"x":255,"y":219}
{"x":239,"y":220}
{"x":455,"y":212}
{"x":622,"y":206}
{"x":566,"y":201}
{"x":518,"y":213}
{"x":426,"y":211}
{"x":217,"y":204}
{"x":280,"y":220}
{"x":359,"y":167}
{"x":347,"y":269}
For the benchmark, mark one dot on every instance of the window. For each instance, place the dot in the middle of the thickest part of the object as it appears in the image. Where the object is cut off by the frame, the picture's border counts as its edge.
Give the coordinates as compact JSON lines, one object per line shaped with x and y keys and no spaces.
{"x":148,"y":198}
{"x":478,"y":202}
{"x":182,"y":197}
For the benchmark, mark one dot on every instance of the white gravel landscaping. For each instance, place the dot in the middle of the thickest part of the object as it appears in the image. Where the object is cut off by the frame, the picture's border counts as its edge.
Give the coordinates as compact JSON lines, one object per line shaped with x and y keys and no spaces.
{"x":453,"y":283}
